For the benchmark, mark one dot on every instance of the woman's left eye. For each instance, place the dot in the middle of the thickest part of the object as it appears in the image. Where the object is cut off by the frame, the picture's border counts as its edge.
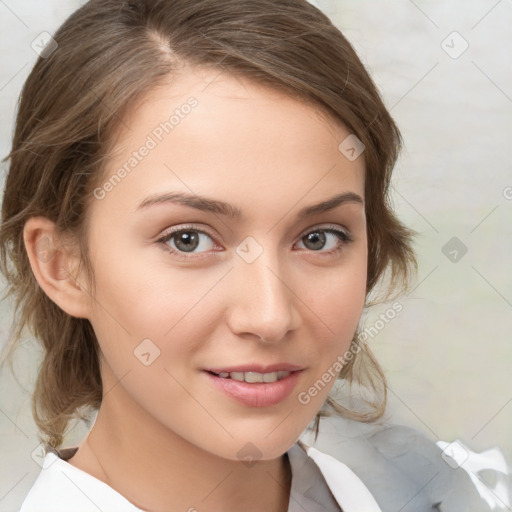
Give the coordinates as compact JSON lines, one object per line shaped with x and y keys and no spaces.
{"x":188,"y":239}
{"x":318,"y":237}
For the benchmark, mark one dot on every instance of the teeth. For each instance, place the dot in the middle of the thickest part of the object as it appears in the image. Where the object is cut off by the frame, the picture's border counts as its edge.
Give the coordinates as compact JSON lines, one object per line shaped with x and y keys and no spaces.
{"x":252,"y":377}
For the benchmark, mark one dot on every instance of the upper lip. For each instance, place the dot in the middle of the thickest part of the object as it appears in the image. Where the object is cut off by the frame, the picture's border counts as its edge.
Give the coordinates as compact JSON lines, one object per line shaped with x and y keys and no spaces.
{"x":259,"y":368}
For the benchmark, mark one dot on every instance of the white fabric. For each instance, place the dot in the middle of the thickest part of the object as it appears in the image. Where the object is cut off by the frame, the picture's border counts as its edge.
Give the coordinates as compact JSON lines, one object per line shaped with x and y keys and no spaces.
{"x":497,"y":497}
{"x":61,"y":487}
{"x":347,"y":488}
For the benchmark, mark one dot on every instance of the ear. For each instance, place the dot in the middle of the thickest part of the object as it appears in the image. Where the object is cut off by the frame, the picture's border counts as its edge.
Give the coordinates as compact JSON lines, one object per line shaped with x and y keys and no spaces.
{"x":54,"y":265}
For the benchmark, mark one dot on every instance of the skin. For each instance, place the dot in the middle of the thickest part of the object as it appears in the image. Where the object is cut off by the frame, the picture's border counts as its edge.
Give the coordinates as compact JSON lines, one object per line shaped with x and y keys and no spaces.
{"x":164,"y":437}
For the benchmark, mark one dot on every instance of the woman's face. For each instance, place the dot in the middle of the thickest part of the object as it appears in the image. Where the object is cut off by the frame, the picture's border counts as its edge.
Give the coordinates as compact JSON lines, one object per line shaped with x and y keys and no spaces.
{"x":255,"y":274}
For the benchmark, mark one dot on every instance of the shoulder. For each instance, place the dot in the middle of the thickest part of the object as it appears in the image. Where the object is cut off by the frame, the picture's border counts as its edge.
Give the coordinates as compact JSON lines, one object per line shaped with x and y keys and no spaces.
{"x":401,"y":467}
{"x":61,"y":487}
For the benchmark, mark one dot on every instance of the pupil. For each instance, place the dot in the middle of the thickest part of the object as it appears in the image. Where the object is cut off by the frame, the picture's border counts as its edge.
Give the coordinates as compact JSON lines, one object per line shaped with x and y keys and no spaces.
{"x":318,"y":239}
{"x":189,"y":240}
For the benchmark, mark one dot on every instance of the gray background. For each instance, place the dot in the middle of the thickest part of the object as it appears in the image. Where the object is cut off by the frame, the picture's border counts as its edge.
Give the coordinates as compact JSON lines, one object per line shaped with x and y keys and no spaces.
{"x":447,"y":354}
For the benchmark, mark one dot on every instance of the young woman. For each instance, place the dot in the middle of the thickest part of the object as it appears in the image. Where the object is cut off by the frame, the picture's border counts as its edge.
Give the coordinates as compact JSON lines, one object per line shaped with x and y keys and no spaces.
{"x":195,"y":216}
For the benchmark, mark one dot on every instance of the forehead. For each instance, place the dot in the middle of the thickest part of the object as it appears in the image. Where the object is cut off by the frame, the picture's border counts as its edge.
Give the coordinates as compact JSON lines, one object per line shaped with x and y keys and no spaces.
{"x":212,"y":133}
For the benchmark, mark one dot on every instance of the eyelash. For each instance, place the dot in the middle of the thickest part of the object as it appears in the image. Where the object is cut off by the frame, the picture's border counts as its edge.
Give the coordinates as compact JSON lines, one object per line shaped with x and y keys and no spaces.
{"x":344,"y":236}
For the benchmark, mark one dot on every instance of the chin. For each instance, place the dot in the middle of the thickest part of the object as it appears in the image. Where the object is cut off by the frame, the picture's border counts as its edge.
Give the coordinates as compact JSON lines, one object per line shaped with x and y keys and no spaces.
{"x":262,"y":445}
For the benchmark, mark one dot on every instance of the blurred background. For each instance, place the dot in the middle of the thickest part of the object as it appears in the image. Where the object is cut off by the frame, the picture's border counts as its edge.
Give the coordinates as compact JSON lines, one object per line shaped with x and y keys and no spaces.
{"x":445,"y":72}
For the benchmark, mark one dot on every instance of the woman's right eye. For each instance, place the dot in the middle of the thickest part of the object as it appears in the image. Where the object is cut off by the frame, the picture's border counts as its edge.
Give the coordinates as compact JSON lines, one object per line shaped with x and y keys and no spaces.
{"x":186,"y":240}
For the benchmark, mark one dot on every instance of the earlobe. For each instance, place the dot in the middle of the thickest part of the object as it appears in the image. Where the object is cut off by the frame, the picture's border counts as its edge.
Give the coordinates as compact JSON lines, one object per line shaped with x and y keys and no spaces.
{"x":54,"y":265}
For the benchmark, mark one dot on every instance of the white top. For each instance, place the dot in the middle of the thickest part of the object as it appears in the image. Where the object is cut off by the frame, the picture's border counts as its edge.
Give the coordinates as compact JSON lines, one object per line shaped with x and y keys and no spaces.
{"x":320,"y":483}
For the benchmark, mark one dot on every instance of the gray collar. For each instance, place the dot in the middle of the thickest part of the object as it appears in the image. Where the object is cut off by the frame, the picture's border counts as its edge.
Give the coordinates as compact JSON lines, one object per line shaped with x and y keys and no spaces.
{"x":309,"y":491}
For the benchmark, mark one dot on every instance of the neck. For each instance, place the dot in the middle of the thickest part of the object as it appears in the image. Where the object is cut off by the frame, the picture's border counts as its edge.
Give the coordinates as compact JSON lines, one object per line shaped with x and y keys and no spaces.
{"x":157,"y":470}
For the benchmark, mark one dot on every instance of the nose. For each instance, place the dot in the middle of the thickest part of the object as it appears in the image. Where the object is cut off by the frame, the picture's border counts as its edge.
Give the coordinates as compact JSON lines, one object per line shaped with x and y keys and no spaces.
{"x":263,"y":301}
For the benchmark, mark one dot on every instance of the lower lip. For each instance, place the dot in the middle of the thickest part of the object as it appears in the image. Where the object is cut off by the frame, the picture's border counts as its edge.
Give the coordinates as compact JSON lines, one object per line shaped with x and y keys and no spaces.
{"x":259,"y":394}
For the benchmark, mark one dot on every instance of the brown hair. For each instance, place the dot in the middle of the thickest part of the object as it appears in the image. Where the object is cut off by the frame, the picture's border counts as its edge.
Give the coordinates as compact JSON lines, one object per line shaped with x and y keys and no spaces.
{"x":109,"y":53}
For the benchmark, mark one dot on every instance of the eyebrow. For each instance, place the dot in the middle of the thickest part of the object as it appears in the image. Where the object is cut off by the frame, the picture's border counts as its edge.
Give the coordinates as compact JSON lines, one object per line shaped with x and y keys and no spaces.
{"x":219,"y":207}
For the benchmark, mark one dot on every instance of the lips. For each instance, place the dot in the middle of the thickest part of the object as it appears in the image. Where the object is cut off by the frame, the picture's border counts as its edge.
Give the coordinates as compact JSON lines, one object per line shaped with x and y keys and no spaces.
{"x":255,"y":385}
{"x":259,"y":394}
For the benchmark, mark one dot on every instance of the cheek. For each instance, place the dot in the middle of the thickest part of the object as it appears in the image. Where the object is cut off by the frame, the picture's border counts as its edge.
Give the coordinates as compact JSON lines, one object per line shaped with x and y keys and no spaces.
{"x":340,"y":296}
{"x":132,"y":292}
{"x":336,"y":310}
{"x":159,"y":303}
{"x":341,"y":314}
